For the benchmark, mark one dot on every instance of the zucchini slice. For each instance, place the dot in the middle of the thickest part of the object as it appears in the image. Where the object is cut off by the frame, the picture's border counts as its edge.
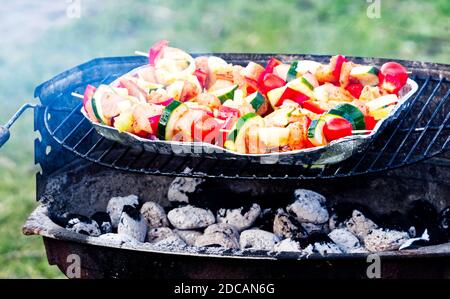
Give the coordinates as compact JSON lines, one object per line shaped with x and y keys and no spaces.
{"x":274,"y":95}
{"x":97,"y":102}
{"x":256,"y":99}
{"x":300,"y":85}
{"x":169,"y":117}
{"x":366,"y":75}
{"x":382,"y":101}
{"x":273,"y":137}
{"x":315,"y":132}
{"x":226,"y":93}
{"x":237,"y":135}
{"x":350,"y":113}
{"x":292,"y":72}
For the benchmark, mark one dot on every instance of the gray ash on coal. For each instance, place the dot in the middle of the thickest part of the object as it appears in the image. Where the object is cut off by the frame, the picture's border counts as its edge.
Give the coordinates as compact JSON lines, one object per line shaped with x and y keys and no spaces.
{"x":302,"y":223}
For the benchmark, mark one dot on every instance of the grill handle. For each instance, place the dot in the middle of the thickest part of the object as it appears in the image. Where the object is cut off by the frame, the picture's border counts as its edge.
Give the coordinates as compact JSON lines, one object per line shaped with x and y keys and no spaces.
{"x":4,"y":130}
{"x":4,"y":135}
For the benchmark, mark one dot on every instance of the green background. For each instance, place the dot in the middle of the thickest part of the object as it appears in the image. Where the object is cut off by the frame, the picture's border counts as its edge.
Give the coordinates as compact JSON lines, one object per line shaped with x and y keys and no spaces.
{"x":40,"y":40}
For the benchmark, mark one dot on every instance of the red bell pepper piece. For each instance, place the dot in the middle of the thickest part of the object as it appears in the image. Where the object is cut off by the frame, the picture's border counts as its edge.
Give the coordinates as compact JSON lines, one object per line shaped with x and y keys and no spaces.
{"x":270,"y":81}
{"x":225,"y":128}
{"x":202,"y":77}
{"x":226,"y":112}
{"x":336,"y":128}
{"x":156,"y":50}
{"x":154,"y":122}
{"x":273,"y":62}
{"x":294,"y":95}
{"x":338,"y":67}
{"x":313,"y":107}
{"x":355,"y":89}
{"x":251,"y":85}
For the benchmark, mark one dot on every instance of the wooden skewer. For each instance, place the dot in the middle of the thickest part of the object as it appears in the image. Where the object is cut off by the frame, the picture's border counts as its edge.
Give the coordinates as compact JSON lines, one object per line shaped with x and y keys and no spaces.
{"x":77,"y":95}
{"x":140,"y":53}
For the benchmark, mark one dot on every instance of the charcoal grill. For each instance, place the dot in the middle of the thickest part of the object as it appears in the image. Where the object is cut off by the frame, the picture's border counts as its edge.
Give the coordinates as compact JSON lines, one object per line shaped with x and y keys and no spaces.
{"x":76,"y":162}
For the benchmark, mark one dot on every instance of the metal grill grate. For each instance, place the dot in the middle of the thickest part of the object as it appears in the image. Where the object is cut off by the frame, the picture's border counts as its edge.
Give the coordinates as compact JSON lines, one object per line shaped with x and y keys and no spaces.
{"x":420,"y":132}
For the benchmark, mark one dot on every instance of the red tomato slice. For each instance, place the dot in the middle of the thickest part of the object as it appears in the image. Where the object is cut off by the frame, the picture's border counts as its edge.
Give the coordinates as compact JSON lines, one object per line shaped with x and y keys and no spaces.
{"x":205,"y":129}
{"x":313,"y":107}
{"x":226,"y":112}
{"x":355,"y":89}
{"x":294,"y":95}
{"x":270,"y":81}
{"x":156,"y":50}
{"x":336,"y":128}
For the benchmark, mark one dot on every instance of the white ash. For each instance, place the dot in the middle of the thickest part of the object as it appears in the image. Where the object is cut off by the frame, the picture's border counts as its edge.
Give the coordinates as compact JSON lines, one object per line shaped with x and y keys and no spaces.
{"x":132,"y":224}
{"x":171,"y":241}
{"x":116,"y":239}
{"x":309,"y":206}
{"x":240,"y":218}
{"x":384,"y":240}
{"x":84,"y":226}
{"x":159,"y":233}
{"x":180,"y":188}
{"x":188,"y":236}
{"x":219,"y":235}
{"x":116,"y":204}
{"x":323,"y":248}
{"x":104,"y":222}
{"x":425,"y":237}
{"x":286,"y":226}
{"x":258,"y":239}
{"x":154,"y":214}
{"x":344,"y":239}
{"x":359,"y":225}
{"x":314,"y":228}
{"x":287,"y":245}
{"x":190,"y":217}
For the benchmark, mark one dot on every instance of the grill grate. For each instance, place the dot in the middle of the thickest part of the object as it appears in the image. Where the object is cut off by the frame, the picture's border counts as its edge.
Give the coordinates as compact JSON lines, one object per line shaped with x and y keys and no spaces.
{"x":420,"y":132}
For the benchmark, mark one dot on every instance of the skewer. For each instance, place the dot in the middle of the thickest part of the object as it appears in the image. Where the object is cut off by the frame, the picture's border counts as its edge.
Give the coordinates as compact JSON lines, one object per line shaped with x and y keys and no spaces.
{"x":77,"y":95}
{"x":140,"y":53}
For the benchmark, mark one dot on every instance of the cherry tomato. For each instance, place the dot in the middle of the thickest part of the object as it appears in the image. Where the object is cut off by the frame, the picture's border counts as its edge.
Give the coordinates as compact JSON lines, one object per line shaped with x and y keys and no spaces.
{"x":336,"y":128}
{"x":313,"y":107}
{"x":370,"y":122}
{"x":226,"y":112}
{"x":205,"y":129}
{"x":270,"y":81}
{"x":202,"y":77}
{"x":355,"y":89}
{"x":337,"y":68}
{"x":392,"y":77}
{"x":154,"y":121}
{"x":156,"y":50}
{"x":293,"y":95}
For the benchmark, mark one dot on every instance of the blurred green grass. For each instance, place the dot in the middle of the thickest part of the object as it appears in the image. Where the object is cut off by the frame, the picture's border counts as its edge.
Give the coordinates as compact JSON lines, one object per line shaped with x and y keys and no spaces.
{"x":416,"y":30}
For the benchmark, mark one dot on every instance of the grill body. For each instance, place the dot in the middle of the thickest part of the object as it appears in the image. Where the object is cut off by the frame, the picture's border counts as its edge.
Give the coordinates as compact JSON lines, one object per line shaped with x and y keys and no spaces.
{"x":80,"y":171}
